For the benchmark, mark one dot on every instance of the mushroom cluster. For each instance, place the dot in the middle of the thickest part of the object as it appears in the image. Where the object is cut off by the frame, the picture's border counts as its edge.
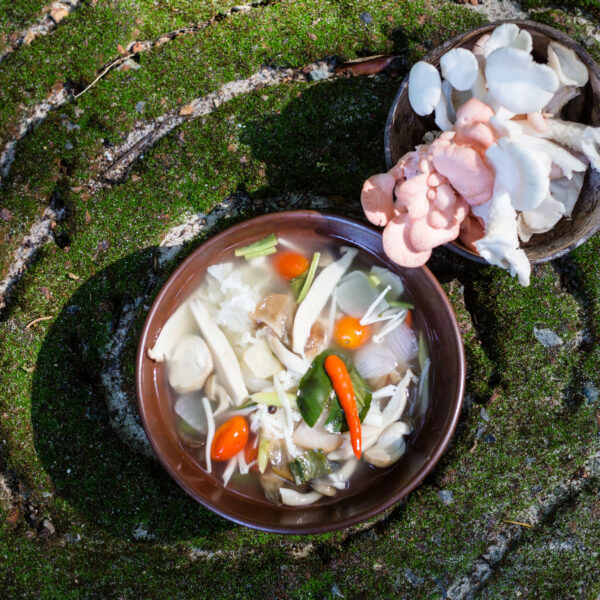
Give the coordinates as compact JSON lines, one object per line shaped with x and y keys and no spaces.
{"x":504,"y":167}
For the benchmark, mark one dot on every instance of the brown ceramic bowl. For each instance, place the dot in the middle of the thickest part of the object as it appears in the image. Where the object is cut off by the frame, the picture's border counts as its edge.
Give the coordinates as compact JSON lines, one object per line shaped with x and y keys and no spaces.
{"x":405,"y":129}
{"x":433,"y":315}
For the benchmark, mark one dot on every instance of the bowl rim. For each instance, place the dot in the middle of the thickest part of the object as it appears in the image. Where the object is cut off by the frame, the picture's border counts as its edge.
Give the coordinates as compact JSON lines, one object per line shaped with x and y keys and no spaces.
{"x":378,"y":506}
{"x":556,"y":34}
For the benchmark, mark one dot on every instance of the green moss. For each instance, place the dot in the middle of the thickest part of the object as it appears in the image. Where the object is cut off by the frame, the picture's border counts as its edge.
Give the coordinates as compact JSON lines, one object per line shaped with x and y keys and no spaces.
{"x":15,"y":16}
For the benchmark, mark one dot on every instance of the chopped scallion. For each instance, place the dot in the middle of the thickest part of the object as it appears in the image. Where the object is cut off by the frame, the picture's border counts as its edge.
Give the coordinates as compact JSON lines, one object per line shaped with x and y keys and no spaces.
{"x":269,"y":242}
{"x":311,"y":275}
{"x":258,"y":253}
{"x":374,"y":280}
{"x":401,"y":304}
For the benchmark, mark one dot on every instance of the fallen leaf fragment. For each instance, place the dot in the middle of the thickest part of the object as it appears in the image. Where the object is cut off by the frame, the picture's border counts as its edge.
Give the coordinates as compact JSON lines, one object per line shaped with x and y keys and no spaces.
{"x":365,"y":66}
{"x":38,"y":320}
{"x":73,"y":276}
{"x":185,"y":111}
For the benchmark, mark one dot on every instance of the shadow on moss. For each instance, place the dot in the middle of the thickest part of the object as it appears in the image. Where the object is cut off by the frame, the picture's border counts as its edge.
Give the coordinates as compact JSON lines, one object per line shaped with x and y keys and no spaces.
{"x":105,"y":481}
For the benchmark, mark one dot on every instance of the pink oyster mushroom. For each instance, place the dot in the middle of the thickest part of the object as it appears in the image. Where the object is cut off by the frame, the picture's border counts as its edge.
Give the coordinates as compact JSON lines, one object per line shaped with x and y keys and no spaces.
{"x":425,"y":198}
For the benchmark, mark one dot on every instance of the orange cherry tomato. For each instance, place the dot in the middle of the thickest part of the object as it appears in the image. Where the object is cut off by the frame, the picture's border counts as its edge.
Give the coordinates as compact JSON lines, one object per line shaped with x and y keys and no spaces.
{"x":230,"y":438}
{"x":408,"y":319}
{"x":349,"y":333}
{"x":251,"y":451}
{"x":290,"y":264}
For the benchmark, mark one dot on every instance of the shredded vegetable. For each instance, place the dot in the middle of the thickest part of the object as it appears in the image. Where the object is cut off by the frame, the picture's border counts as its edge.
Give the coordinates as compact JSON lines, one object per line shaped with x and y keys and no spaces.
{"x":211,"y":431}
{"x":314,"y":263}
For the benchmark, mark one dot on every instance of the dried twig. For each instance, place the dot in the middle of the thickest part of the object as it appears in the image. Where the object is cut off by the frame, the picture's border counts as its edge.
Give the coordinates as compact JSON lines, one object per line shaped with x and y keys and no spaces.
{"x":518,"y":523}
{"x":37,"y":321}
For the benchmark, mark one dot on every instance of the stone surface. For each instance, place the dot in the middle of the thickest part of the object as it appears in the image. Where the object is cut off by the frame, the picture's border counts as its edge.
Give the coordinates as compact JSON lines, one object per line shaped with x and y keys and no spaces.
{"x":511,"y":510}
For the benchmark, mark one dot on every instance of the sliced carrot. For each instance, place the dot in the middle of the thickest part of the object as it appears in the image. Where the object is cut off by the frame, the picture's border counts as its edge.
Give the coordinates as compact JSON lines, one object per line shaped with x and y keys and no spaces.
{"x":349,"y":333}
{"x":408,"y":319}
{"x":290,"y":264}
{"x":251,"y":452}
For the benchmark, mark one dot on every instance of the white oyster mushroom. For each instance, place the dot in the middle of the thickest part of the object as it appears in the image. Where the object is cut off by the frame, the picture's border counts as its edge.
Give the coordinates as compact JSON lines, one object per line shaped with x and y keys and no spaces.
{"x":445,"y":115}
{"x":541,"y":219}
{"x":390,"y":446}
{"x":460,"y":68}
{"x":424,"y":88}
{"x":517,"y":82}
{"x":500,"y":244}
{"x":567,"y":191}
{"x":567,"y":65}
{"x":521,"y":171}
{"x":558,"y":155}
{"x":563,"y":95}
{"x":508,"y":36}
{"x":189,"y":364}
{"x":575,"y":136}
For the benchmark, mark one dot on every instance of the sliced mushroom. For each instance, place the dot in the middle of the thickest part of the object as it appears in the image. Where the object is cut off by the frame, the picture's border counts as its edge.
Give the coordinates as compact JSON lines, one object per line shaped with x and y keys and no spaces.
{"x":326,"y":489}
{"x":316,"y":437}
{"x":294,"y":498}
{"x":290,"y":361}
{"x":217,"y":393}
{"x":345,"y":451}
{"x":316,"y":342}
{"x":225,"y":360}
{"x":189,"y":364}
{"x":277,"y":312}
{"x":179,"y":324}
{"x":424,"y":88}
{"x":390,"y":446}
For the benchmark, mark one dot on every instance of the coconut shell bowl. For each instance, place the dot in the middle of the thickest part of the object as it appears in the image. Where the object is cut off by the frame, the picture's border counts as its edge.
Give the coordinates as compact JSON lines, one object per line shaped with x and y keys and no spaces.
{"x":405,"y":130}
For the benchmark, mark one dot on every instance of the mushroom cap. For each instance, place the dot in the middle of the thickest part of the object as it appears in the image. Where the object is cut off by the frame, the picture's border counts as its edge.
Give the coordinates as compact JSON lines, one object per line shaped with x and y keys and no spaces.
{"x":466,"y":170}
{"x":189,"y":364}
{"x":377,"y":198}
{"x":543,"y":218}
{"x":517,"y":82}
{"x":508,"y":35}
{"x":480,"y":135}
{"x":500,"y":244}
{"x":460,"y":68}
{"x":424,"y":237}
{"x":567,"y":191}
{"x":411,"y":196}
{"x":569,"y":69}
{"x":473,"y":111}
{"x":397,"y":245}
{"x":424,"y":88}
{"x":523,"y":172}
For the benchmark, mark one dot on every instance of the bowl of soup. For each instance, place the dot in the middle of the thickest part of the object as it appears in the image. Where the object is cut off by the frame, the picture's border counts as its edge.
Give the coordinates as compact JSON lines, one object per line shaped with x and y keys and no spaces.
{"x":293,"y":379}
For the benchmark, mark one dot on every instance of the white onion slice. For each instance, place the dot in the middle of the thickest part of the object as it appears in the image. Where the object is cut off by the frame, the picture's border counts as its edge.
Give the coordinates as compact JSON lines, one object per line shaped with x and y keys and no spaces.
{"x":403,"y":342}
{"x":189,"y":408}
{"x":211,"y":432}
{"x":355,"y":294}
{"x":386,"y":277}
{"x":374,"y":361}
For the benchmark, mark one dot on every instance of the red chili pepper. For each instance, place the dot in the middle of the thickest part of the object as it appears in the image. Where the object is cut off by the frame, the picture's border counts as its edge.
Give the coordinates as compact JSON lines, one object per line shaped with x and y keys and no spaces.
{"x":342,"y":385}
{"x":408,"y":319}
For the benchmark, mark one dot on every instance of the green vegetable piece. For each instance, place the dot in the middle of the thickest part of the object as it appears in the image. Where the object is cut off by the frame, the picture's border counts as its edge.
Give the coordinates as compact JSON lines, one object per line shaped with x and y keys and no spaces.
{"x":310,"y":276}
{"x":401,"y":304}
{"x":336,"y":421}
{"x":315,"y":392}
{"x":310,"y":465}
{"x":374,"y":280}
{"x":296,"y":284}
{"x":423,"y":352}
{"x":263,"y":453}
{"x":269,"y":242}
{"x":271,"y":398}
{"x":258,"y":253}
